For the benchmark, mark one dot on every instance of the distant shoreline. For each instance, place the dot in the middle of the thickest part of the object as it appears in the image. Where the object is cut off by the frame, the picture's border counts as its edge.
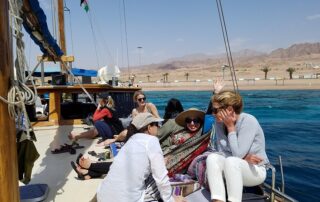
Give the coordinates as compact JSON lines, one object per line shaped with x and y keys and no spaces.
{"x":294,"y":84}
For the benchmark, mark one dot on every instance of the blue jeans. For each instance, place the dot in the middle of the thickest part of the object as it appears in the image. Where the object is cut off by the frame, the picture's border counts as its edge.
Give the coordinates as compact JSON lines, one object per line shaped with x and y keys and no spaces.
{"x":103,"y":129}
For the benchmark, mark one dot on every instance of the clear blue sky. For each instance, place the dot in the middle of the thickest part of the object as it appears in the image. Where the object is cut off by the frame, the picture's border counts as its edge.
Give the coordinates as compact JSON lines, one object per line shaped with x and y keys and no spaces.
{"x":173,"y":28}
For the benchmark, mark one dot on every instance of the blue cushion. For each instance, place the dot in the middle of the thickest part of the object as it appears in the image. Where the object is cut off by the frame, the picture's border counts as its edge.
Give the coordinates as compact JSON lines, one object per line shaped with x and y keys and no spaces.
{"x":208,"y":121}
{"x":33,"y":192}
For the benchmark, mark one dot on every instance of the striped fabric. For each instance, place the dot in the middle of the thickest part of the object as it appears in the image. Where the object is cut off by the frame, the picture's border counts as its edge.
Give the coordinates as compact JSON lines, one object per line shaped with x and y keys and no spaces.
{"x":152,"y":193}
{"x":179,"y":157}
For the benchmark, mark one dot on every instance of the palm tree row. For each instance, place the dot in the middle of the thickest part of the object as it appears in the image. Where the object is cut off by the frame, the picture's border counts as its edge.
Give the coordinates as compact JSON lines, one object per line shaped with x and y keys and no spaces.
{"x":267,"y":69}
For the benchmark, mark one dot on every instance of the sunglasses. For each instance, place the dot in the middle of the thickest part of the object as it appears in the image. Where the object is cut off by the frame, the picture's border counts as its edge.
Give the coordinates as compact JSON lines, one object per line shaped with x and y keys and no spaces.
{"x":154,"y":124}
{"x":143,"y":98}
{"x":216,"y":110}
{"x":195,"y":121}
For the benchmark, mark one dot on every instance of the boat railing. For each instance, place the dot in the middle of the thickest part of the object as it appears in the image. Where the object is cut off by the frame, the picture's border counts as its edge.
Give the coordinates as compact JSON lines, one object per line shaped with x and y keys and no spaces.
{"x":273,"y":191}
{"x":280,"y":194}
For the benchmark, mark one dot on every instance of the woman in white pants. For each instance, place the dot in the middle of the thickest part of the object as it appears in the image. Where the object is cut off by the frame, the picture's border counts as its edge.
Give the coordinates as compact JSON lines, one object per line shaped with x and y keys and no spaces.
{"x":238,"y":149}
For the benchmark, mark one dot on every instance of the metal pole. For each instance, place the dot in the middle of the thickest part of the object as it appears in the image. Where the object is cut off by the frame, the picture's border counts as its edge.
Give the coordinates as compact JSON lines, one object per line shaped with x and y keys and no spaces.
{"x":8,"y":149}
{"x":139,"y":49}
{"x":42,"y":73}
{"x":223,"y":69}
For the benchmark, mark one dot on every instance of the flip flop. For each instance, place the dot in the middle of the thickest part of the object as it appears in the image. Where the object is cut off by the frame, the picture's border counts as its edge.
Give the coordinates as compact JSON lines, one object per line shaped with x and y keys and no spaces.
{"x":76,"y":145}
{"x":80,"y":175}
{"x":92,"y":153}
{"x":63,"y":149}
{"x":78,"y":158}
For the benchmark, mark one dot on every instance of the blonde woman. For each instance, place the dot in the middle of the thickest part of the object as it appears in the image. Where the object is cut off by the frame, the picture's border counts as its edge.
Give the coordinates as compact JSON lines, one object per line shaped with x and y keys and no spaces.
{"x":143,"y":106}
{"x":239,"y":154}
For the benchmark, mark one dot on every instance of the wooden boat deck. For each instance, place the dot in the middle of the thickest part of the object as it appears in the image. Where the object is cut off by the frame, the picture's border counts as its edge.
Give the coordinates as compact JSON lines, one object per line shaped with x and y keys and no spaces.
{"x":55,"y":169}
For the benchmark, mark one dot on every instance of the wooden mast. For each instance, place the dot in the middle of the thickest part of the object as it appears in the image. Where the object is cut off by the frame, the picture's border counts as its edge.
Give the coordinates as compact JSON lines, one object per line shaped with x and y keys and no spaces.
{"x":61,"y":26}
{"x":8,"y":149}
{"x":62,"y":37}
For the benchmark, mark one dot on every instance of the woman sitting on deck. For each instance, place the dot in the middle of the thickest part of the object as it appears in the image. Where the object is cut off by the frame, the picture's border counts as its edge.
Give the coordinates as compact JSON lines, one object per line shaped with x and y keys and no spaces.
{"x":141,"y":156}
{"x":182,"y":140}
{"x":239,"y":153}
{"x":106,"y":123}
{"x":142,"y":106}
{"x":177,"y":134}
{"x":87,"y":169}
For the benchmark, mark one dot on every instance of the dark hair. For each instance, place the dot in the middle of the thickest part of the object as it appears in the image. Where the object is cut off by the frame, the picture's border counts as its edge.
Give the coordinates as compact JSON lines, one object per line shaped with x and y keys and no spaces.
{"x":133,"y":130}
{"x":173,"y":108}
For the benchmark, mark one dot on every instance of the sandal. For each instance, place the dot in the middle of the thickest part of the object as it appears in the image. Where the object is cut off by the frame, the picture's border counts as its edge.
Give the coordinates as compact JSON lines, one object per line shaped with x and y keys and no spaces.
{"x":64,"y":148}
{"x":92,"y":153}
{"x":81,"y":176}
{"x":78,"y":158}
{"x":76,"y":145}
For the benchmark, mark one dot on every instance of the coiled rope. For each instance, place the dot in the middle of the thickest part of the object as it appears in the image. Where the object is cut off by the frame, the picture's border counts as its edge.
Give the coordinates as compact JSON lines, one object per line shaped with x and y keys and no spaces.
{"x":19,"y":94}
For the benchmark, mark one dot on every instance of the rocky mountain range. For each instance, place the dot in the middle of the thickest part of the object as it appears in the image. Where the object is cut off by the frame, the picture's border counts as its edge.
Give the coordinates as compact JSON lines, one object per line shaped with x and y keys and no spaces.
{"x":247,"y":62}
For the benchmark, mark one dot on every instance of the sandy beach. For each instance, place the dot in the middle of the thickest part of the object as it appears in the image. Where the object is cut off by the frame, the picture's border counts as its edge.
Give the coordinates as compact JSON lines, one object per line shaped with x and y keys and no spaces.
{"x":293,"y":84}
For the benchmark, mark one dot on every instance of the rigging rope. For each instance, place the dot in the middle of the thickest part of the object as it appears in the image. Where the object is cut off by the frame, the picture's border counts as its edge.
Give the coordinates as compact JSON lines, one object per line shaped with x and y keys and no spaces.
{"x":54,"y":18}
{"x":70,"y":27}
{"x":227,"y":46}
{"x":19,"y":94}
{"x":121,"y":41}
{"x":94,"y":37}
{"x":104,"y":44}
{"x":65,"y":66}
{"x":126,"y":35}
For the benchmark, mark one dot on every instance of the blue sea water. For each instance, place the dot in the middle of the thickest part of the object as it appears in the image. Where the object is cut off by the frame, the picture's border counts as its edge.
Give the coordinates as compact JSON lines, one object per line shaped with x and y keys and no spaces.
{"x":291,"y":122}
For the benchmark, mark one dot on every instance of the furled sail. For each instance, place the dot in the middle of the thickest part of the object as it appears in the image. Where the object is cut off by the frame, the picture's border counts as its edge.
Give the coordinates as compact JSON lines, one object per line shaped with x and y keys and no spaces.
{"x":35,"y":23}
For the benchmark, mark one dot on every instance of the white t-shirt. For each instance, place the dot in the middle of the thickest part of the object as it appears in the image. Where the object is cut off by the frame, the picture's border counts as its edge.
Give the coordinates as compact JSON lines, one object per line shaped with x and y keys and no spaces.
{"x":137,"y":159}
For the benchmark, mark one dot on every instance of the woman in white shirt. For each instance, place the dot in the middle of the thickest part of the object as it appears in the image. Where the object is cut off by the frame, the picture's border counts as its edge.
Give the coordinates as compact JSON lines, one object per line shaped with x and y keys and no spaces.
{"x":137,"y":159}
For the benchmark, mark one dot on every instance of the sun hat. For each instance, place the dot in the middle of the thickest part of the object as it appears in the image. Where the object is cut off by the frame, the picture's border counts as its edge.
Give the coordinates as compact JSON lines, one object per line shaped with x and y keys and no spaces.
{"x":144,"y":119}
{"x":192,"y":112}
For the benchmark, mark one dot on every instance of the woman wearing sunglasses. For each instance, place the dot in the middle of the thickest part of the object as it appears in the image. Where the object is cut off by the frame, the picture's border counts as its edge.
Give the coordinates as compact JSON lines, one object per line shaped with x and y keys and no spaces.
{"x":239,"y":154}
{"x":181,"y":137}
{"x":139,"y":158}
{"x":143,"y":106}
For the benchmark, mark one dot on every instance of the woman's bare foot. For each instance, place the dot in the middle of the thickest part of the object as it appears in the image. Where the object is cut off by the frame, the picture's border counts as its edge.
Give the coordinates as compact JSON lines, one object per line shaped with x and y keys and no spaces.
{"x":84,"y":162}
{"x":72,"y":136}
{"x":84,"y":172}
{"x":122,"y":136}
{"x":106,"y":142}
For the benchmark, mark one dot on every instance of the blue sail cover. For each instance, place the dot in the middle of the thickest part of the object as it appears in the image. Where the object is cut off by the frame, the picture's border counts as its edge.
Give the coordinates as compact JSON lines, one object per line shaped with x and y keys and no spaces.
{"x":49,"y":71}
{"x":84,"y":72}
{"x":47,"y":44}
